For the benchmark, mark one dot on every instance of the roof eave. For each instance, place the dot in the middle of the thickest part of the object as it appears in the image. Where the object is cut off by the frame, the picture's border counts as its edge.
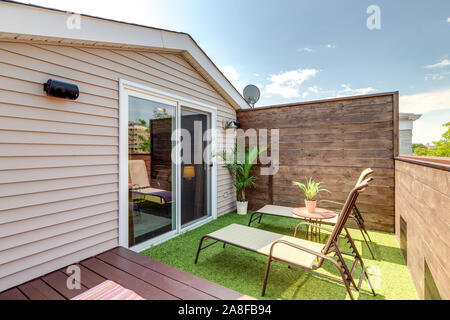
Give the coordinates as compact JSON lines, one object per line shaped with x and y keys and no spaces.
{"x":19,"y":19}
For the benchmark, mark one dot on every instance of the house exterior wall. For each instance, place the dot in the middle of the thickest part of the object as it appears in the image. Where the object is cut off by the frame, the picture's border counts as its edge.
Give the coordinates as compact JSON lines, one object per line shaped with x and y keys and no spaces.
{"x":59,"y":158}
{"x":332,"y":141}
{"x":405,"y":142}
{"x":406,"y":126}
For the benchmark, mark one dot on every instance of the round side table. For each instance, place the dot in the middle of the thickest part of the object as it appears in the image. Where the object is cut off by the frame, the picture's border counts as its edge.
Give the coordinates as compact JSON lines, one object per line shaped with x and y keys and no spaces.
{"x":315,"y":218}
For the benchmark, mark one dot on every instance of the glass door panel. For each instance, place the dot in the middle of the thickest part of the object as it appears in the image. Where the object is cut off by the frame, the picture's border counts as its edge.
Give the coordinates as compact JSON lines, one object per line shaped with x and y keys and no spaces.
{"x":151,"y":174}
{"x":195,"y":170}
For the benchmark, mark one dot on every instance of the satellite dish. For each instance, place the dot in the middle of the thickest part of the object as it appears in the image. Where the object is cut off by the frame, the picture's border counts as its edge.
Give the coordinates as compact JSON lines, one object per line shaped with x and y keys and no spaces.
{"x":251,"y":94}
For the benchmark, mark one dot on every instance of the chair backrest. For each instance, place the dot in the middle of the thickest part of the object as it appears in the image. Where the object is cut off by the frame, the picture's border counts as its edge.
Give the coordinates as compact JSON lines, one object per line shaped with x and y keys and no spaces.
{"x":345,"y":212}
{"x":364,"y":175}
{"x":138,"y":173}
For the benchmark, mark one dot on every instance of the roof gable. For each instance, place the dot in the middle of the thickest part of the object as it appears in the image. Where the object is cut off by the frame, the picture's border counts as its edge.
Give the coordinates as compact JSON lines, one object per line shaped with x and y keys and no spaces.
{"x":17,"y":21}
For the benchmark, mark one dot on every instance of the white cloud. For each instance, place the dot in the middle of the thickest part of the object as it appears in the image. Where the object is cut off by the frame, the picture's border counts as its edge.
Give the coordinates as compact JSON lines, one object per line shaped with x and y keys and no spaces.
{"x":233,"y":75}
{"x":314,"y":89}
{"x":426,"y":102}
{"x":331,"y":46}
{"x":430,"y":128}
{"x":306,"y":50}
{"x":436,"y":76}
{"x":448,"y":19}
{"x":287,"y":84}
{"x":347,"y":90}
{"x":230,"y":72}
{"x":257,"y":75}
{"x":441,"y":64}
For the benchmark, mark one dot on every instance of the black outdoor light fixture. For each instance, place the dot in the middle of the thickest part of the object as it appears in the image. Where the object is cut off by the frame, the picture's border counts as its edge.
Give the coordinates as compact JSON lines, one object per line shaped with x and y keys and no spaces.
{"x":232,"y":125}
{"x":61,"y":89}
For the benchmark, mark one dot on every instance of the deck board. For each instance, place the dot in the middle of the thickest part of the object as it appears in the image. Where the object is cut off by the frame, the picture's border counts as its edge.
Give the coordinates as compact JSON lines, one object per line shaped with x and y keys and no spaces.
{"x":211,"y":288}
{"x":142,"y":288}
{"x":39,"y":290}
{"x":151,"y":279}
{"x":12,"y":294}
{"x":173,"y":287}
{"x":58,"y":281}
{"x":89,"y":279}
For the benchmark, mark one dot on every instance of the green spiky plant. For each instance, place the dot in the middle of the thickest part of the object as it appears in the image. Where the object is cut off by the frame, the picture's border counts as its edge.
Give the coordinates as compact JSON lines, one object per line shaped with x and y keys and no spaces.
{"x":241,"y":171}
{"x":311,"y":189}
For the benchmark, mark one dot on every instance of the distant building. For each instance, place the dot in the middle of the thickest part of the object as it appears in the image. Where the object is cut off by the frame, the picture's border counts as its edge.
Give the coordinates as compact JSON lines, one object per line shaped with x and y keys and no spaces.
{"x":405,"y":132}
{"x":137,"y":133}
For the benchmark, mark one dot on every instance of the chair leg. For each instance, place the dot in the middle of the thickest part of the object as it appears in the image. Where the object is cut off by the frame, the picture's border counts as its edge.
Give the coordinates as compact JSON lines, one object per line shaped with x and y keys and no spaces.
{"x":370,"y":283}
{"x":362,"y":228}
{"x":260,"y":218}
{"x":344,"y":278}
{"x":346,"y":270}
{"x":367,"y":242}
{"x":266,"y":277}
{"x":367,"y":233}
{"x":347,"y":286}
{"x":251,"y":218}
{"x":358,"y":256}
{"x":199,"y":249}
{"x":296,"y":230}
{"x":365,"y":274}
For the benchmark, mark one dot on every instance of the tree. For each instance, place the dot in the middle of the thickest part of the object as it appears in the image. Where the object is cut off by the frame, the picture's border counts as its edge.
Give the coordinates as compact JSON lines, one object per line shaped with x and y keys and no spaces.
{"x":441,"y":148}
{"x":417,"y":145}
{"x":145,"y":139}
{"x":241,"y":172}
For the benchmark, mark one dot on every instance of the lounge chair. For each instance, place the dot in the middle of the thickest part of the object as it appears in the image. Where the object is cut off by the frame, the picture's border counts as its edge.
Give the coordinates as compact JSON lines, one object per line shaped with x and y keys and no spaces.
{"x":299,"y":253}
{"x":286,"y":212}
{"x":140,"y":184}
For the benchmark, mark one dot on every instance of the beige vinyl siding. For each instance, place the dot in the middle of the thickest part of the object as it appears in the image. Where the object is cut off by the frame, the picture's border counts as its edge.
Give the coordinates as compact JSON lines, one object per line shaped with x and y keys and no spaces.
{"x":59,"y":158}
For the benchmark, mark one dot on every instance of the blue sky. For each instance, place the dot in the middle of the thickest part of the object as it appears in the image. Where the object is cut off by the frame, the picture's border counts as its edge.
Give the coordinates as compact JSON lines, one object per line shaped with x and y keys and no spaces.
{"x":308,"y":50}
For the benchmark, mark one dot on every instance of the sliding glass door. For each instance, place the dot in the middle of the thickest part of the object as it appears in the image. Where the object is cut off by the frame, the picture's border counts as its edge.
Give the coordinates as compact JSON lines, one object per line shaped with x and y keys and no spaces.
{"x":151,"y":196}
{"x":161,"y":196}
{"x":195,"y":180}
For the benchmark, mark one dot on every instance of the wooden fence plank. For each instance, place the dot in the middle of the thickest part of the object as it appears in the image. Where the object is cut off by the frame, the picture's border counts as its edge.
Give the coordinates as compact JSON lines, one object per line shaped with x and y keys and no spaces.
{"x":332,"y":141}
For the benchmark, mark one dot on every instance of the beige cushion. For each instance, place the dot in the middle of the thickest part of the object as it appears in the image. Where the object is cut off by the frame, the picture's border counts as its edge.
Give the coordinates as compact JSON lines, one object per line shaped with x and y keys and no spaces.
{"x":281,"y":211}
{"x":260,"y":241}
{"x":138,"y":173}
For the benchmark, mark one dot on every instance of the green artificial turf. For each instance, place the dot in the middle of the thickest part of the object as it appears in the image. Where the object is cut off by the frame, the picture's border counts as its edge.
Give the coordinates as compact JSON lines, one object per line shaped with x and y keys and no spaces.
{"x":243,"y":271}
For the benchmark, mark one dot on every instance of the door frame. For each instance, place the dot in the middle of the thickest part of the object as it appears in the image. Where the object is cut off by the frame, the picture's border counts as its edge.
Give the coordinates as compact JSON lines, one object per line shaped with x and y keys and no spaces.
{"x":127,"y":88}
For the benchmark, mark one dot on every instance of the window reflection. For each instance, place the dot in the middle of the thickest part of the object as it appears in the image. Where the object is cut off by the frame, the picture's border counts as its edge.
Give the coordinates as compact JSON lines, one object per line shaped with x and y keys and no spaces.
{"x":150,"y":182}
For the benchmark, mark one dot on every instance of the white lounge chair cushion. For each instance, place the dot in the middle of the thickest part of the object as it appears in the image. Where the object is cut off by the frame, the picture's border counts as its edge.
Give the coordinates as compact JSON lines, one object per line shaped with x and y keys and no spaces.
{"x":260,"y":241}
{"x":281,"y":211}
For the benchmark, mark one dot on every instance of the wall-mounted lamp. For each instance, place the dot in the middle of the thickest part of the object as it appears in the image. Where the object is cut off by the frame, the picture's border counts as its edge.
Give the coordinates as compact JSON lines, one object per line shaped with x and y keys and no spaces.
{"x":232,"y":125}
{"x":189,"y":172}
{"x":61,"y":89}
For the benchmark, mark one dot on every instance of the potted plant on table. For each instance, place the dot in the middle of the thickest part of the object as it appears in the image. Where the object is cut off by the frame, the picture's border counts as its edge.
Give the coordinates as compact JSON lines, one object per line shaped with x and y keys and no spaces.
{"x":311,"y":189}
{"x":241,"y":172}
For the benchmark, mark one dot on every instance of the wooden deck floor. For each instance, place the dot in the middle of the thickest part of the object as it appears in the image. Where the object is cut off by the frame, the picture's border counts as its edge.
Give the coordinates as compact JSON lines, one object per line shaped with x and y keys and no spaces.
{"x":151,"y":279}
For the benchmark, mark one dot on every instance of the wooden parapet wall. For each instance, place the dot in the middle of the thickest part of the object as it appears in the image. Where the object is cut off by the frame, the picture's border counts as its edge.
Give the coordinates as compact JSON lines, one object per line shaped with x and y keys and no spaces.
{"x":332,"y":141}
{"x":422,"y":203}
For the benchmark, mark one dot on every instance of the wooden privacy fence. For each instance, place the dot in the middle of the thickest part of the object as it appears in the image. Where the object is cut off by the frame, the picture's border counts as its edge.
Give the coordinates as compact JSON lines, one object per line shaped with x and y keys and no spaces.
{"x":331,"y":141}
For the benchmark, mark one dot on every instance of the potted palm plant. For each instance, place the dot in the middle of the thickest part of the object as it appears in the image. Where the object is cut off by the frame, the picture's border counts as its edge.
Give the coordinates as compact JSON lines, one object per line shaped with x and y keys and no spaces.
{"x":241,"y":172}
{"x":311,"y":189}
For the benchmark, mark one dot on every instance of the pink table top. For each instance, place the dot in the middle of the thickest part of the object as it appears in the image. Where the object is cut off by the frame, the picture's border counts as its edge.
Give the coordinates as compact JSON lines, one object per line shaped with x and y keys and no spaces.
{"x":318,"y":214}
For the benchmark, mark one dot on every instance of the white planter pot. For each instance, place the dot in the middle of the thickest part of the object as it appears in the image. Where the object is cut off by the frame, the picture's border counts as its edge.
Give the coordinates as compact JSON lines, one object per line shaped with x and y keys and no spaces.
{"x":242,"y":207}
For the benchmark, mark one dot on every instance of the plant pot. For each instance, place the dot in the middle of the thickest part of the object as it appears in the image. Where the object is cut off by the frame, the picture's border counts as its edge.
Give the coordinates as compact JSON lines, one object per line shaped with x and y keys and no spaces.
{"x":242,"y":207}
{"x":310,"y":205}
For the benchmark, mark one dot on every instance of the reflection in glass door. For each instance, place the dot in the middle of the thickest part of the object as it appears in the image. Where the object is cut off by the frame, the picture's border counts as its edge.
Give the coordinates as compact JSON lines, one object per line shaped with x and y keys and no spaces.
{"x":195,"y":172}
{"x":151,"y":174}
